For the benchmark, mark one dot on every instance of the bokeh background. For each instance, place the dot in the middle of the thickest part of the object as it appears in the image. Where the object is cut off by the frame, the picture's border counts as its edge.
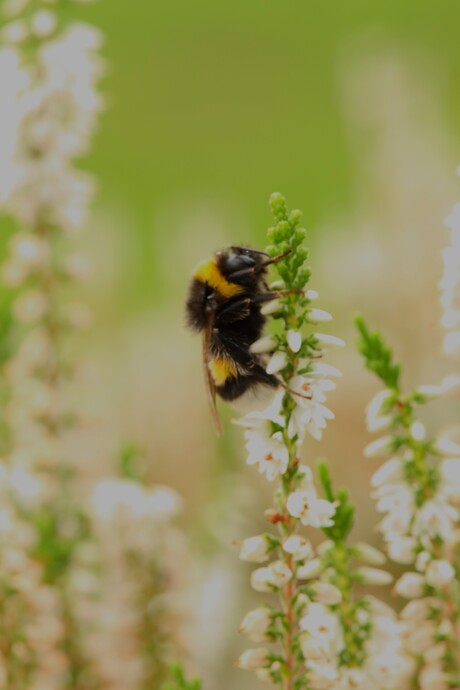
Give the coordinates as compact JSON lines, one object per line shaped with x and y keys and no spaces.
{"x":352,"y":110}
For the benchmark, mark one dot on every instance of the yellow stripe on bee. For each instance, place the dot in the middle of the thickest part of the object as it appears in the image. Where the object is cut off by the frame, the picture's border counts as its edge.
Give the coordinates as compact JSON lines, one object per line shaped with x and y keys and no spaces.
{"x":221,"y":370}
{"x":208,"y":272}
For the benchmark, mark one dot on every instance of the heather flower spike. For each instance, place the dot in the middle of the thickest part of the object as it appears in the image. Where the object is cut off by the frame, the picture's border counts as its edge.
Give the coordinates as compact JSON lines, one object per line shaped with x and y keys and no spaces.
{"x":315,"y":634}
{"x":417,"y":491}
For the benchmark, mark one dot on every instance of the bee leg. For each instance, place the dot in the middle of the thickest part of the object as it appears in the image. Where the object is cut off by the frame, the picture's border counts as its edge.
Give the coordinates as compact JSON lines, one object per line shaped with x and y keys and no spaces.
{"x":238,"y":310}
{"x":292,"y":391}
{"x":273,"y":294}
{"x":255,"y":269}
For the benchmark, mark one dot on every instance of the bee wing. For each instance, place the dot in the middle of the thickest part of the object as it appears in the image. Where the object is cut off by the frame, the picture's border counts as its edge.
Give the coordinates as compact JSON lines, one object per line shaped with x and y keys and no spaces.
{"x":210,"y":385}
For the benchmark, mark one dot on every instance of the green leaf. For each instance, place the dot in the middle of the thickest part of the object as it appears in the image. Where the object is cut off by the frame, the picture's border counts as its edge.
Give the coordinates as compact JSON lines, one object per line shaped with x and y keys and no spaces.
{"x":378,"y":356}
{"x":345,"y":512}
{"x":178,"y":680}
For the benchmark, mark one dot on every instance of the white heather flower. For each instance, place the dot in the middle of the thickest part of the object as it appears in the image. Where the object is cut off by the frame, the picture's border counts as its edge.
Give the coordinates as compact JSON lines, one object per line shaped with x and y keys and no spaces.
{"x":353,"y":679}
{"x":327,"y":340}
{"x":271,"y":577}
{"x":161,"y":503}
{"x":314,"y":648}
{"x":388,"y":473}
{"x":373,"y":576}
{"x":14,"y":32}
{"x":253,"y":659}
{"x":397,"y":500}
{"x":310,"y":570}
{"x":258,"y":418}
{"x":265,"y":344}
{"x":322,"y":625}
{"x":369,"y":554}
{"x":268,"y":452}
{"x":450,"y":476}
{"x":452,"y":343}
{"x":30,"y":306}
{"x":323,"y":369}
{"x":446,"y":446}
{"x":450,"y":383}
{"x":299,"y":547}
{"x":422,"y":561}
{"x":29,"y":250}
{"x":420,"y":637}
{"x":312,"y":295}
{"x":436,"y":518}
{"x":433,"y":677}
{"x":255,"y":549}
{"x":321,"y":676}
{"x":375,"y":420}
{"x":430,"y":391}
{"x":418,"y":609}
{"x":309,"y":414}
{"x":256,"y":623}
{"x":418,"y":431}
{"x":277,"y":362}
{"x":381,"y":446}
{"x":319,"y":316}
{"x":311,"y":510}
{"x":43,"y":23}
{"x":439,"y":573}
{"x":401,"y":549}
{"x":271,"y":307}
{"x":294,"y":339}
{"x":410,"y":585}
{"x":325,"y":593}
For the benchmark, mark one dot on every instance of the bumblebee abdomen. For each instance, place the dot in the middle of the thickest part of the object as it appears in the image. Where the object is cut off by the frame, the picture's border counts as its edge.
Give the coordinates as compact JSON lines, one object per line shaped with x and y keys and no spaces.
{"x":222,"y":369}
{"x":195,"y":307}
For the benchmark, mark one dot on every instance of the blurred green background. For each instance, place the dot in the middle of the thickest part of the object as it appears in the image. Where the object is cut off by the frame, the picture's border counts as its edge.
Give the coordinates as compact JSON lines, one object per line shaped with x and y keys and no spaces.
{"x":224,"y":102}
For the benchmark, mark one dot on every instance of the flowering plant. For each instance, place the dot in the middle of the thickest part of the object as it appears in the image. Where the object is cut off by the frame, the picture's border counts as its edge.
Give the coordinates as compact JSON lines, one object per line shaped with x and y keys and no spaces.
{"x":326,"y":636}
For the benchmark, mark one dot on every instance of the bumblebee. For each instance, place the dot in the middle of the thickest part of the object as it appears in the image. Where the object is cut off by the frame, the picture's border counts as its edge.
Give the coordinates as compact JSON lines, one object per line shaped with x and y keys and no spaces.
{"x":224,"y":304}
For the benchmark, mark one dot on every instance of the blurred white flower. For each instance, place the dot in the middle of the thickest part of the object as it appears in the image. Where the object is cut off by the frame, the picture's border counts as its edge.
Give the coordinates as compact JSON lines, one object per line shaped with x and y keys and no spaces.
{"x":299,"y":547}
{"x":311,"y":510}
{"x":253,"y":659}
{"x":271,"y":577}
{"x":255,"y":549}
{"x":294,"y":339}
{"x":410,"y":585}
{"x":256,"y":623}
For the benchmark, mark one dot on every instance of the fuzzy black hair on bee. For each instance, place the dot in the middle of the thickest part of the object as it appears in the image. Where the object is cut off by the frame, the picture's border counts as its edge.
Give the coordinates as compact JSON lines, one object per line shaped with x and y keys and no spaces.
{"x":224,"y":304}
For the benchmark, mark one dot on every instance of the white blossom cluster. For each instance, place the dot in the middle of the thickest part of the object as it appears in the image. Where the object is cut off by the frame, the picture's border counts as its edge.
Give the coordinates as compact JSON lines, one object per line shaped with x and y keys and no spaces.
{"x":29,"y":603}
{"x":450,"y":285}
{"x":141,"y":599}
{"x":418,"y":492}
{"x":48,"y":111}
{"x":325,"y":644}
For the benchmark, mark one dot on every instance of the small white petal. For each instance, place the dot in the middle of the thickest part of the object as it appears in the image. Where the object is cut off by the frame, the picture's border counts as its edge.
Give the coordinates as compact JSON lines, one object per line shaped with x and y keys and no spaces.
{"x":309,"y":570}
{"x":329,"y":340}
{"x":277,"y":362}
{"x":418,"y":431}
{"x":265,"y":344}
{"x":319,"y":316}
{"x":322,"y":369}
{"x":271,"y":307}
{"x":369,"y":554}
{"x":294,"y":339}
{"x":373,"y":576}
{"x":312,"y":294}
{"x":380,"y":446}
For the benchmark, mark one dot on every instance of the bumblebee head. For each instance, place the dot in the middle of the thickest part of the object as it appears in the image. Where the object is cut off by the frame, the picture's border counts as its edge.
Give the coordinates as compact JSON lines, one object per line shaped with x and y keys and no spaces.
{"x":242,"y":265}
{"x":231,"y":272}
